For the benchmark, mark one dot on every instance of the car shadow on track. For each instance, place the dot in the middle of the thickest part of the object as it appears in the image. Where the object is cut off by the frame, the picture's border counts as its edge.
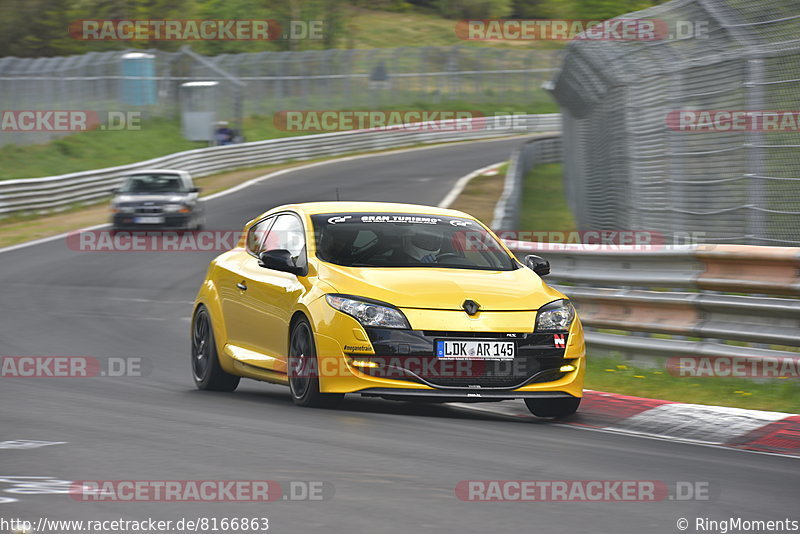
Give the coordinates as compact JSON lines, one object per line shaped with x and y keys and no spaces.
{"x":269,"y":395}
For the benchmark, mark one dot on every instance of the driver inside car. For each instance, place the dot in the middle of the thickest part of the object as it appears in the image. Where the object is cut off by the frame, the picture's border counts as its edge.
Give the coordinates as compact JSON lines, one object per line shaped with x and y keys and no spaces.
{"x":423,"y":246}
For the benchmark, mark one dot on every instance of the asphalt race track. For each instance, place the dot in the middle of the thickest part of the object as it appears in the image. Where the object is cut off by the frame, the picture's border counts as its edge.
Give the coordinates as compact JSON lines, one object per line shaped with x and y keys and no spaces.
{"x":388,"y":467}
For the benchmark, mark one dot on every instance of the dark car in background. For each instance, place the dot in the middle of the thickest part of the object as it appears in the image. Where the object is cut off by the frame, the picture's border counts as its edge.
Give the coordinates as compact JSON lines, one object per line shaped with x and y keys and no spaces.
{"x":158,"y":199}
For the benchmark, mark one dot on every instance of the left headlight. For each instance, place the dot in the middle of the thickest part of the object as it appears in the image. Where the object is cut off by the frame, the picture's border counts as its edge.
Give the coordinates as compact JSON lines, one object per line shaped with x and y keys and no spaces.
{"x":369,"y":313}
{"x":558,"y":315}
{"x":116,"y":208}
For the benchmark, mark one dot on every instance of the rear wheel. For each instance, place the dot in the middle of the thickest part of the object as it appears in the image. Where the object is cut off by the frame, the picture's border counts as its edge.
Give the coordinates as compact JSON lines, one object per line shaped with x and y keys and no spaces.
{"x":557,"y":408}
{"x":206,"y":370}
{"x":303,"y":370}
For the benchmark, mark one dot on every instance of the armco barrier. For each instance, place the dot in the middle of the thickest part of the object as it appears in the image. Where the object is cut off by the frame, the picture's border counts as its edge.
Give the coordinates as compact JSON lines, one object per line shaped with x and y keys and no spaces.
{"x":34,"y":194}
{"x":698,"y":300}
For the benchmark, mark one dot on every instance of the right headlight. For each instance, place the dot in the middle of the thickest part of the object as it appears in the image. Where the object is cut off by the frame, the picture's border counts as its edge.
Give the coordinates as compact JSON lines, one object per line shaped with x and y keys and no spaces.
{"x":174,"y":208}
{"x":368,"y":313}
{"x":556,"y":316}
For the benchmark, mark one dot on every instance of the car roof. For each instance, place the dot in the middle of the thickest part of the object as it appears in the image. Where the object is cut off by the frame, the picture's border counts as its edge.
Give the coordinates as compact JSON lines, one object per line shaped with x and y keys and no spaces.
{"x":314,"y":208}
{"x":159,"y":171}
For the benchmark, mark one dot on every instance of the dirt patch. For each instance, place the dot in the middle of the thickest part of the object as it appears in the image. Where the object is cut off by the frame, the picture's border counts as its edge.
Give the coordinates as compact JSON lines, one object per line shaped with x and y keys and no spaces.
{"x":480,"y":196}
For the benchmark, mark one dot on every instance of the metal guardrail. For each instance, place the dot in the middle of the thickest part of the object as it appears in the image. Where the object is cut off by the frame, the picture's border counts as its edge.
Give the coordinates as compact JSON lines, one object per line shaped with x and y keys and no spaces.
{"x":659,"y":298}
{"x":653,"y":302}
{"x":34,"y":194}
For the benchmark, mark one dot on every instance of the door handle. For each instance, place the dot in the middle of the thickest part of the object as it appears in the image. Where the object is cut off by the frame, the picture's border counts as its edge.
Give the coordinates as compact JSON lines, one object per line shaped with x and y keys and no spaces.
{"x":242,"y":286}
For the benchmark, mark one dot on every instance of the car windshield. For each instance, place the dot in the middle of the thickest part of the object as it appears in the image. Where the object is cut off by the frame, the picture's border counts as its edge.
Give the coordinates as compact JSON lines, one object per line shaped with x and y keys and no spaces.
{"x":153,"y":183}
{"x":407,"y":240}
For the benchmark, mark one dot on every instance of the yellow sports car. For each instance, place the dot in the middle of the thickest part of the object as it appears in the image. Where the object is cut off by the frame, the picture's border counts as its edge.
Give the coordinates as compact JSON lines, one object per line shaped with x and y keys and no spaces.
{"x":386,"y":300}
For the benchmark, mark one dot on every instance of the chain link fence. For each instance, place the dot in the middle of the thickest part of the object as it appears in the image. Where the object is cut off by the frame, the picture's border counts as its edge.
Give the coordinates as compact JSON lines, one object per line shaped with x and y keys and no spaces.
{"x":626,"y":164}
{"x":263,"y":83}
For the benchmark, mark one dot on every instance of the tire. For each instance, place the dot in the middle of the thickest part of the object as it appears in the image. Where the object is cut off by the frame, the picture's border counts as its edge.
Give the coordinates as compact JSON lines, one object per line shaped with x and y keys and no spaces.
{"x":206,"y":370}
{"x":303,"y":370}
{"x":557,"y":408}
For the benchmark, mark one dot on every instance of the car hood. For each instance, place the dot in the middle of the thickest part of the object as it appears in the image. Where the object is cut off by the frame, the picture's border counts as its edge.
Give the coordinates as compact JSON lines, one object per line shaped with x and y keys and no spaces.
{"x":442,"y":289}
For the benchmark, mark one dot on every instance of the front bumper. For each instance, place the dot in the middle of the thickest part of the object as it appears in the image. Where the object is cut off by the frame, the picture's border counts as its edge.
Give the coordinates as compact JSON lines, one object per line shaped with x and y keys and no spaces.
{"x":176,"y":221}
{"x":406,"y":366}
{"x":463,"y":395}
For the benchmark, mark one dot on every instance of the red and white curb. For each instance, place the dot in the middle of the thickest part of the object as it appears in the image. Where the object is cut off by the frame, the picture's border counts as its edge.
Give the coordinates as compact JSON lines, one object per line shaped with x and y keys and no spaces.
{"x":754,"y":430}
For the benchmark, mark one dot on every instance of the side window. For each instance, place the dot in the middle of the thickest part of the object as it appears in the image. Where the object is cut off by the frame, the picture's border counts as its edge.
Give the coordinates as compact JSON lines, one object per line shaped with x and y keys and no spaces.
{"x":287,"y":233}
{"x":255,"y":236}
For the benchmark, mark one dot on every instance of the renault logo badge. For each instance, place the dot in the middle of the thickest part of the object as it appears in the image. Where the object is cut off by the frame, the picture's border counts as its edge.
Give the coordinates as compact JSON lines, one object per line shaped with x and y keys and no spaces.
{"x":471,"y":307}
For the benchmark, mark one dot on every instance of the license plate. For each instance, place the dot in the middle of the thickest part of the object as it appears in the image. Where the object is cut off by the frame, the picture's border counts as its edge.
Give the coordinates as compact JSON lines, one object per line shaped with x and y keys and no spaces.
{"x":475,"y":350}
{"x":148,"y":220}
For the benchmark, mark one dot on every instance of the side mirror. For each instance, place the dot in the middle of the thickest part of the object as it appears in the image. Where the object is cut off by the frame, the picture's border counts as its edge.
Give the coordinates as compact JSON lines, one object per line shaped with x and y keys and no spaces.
{"x":537,"y":264}
{"x":194,"y":190}
{"x":279,"y":260}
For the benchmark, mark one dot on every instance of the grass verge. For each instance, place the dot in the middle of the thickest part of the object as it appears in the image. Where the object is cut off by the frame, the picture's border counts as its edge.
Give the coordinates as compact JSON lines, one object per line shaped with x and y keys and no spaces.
{"x":612,"y":375}
{"x":544,"y":206}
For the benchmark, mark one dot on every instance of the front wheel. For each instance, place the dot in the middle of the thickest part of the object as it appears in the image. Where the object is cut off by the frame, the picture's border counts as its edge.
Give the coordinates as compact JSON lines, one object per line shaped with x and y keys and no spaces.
{"x":557,"y":408}
{"x":206,"y":370}
{"x":303,"y":370}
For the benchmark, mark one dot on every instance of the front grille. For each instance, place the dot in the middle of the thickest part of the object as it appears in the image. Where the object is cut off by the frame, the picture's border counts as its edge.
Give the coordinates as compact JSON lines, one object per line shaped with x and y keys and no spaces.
{"x":446,"y":334}
{"x":149,"y":210}
{"x":409,"y":355}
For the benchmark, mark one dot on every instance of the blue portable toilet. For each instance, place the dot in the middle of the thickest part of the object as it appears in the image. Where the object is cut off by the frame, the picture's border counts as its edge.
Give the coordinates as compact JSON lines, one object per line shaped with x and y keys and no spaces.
{"x":138,"y":85}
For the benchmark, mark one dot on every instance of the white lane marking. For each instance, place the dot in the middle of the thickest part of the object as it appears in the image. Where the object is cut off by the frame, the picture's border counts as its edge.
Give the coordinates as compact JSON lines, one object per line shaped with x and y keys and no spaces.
{"x":267,"y":177}
{"x":33,"y":485}
{"x":343,"y":159}
{"x":28,"y":444}
{"x":462,"y":183}
{"x":51,"y":238}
